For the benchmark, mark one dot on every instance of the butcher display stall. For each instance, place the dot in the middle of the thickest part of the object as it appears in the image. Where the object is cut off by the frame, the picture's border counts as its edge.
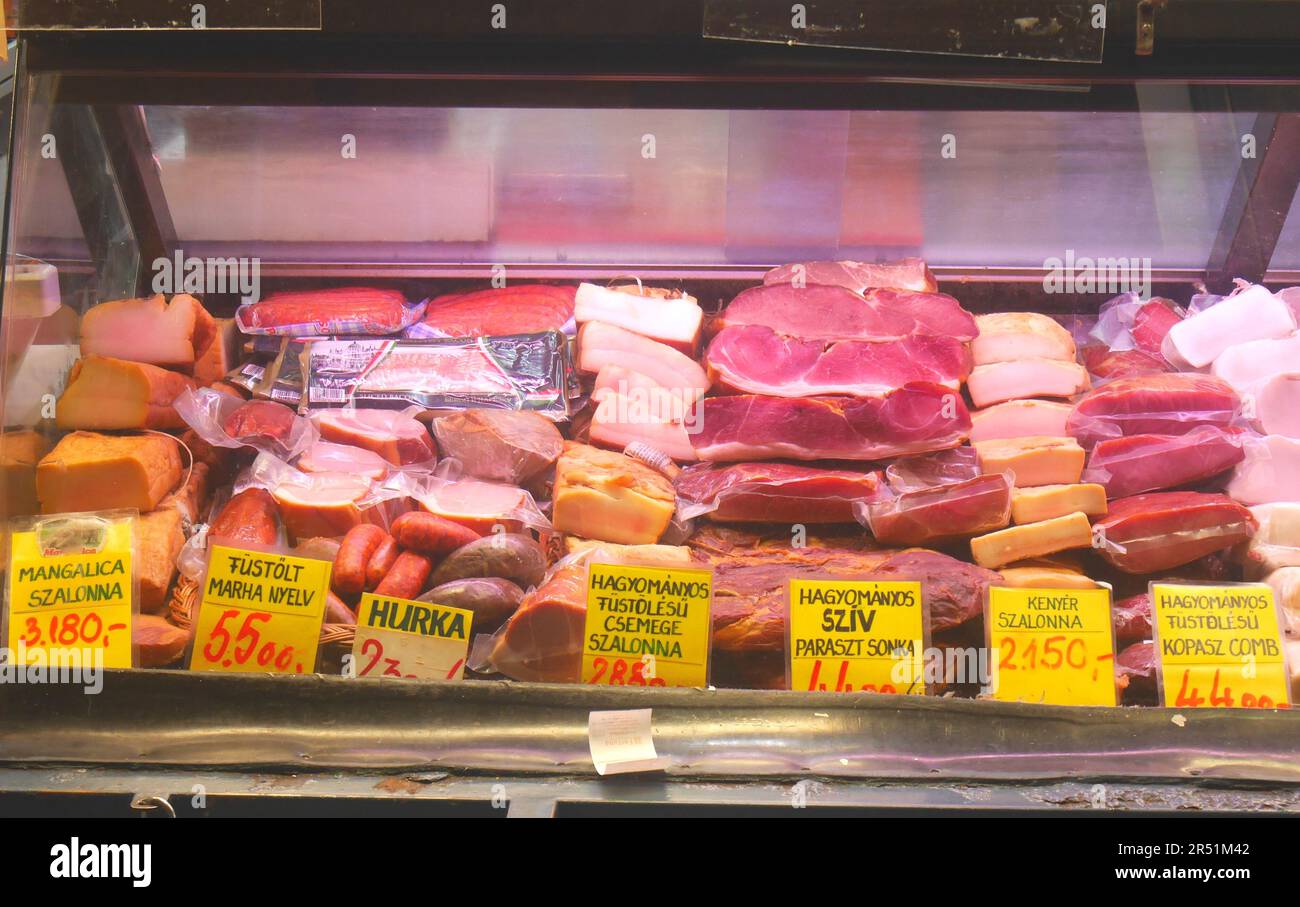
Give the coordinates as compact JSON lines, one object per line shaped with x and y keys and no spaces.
{"x":455,"y":411}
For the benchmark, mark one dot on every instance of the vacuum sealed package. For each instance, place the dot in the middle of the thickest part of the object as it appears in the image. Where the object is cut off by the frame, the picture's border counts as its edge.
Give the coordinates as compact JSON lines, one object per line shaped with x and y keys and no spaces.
{"x":1159,"y":404}
{"x":1138,"y":463}
{"x":774,"y":493}
{"x":321,"y":313}
{"x":941,"y":512}
{"x":945,"y":467}
{"x":482,"y":506}
{"x":318,"y":504}
{"x":514,"y":309}
{"x":499,"y":445}
{"x":519,"y":371}
{"x":1276,"y":544}
{"x":395,"y":435}
{"x":225,"y":421}
{"x":284,"y":377}
{"x":1158,"y":531}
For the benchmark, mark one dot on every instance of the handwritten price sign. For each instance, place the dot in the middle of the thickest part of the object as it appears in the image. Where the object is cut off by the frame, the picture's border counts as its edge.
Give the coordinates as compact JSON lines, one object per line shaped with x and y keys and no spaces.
{"x":1052,"y":645}
{"x":847,"y":636}
{"x":73,"y":601}
{"x":260,"y":612}
{"x":647,"y":626}
{"x":397,"y":637}
{"x":1219,"y":646}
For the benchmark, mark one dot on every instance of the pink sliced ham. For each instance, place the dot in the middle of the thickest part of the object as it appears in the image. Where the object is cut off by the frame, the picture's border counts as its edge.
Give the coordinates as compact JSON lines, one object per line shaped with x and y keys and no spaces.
{"x":916,"y":418}
{"x":1105,"y":364}
{"x":1002,"y":381}
{"x":620,"y":421}
{"x":601,"y":345}
{"x":1019,"y":419}
{"x":858,"y":276}
{"x":1008,"y":336}
{"x":944,"y":512}
{"x":326,"y":456}
{"x":834,"y":313}
{"x":395,"y":436}
{"x":1167,"y":404}
{"x":1139,"y":463}
{"x":774,"y":493}
{"x":1152,"y":322}
{"x":1254,"y":314}
{"x":672,"y":319}
{"x":755,"y":359}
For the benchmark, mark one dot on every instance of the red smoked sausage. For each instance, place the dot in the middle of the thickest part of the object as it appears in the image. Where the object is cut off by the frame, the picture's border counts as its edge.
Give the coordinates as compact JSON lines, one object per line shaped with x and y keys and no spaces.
{"x":381,"y":561}
{"x":430,"y":534}
{"x":249,"y":516}
{"x":407,"y":578}
{"x":349,"y":577}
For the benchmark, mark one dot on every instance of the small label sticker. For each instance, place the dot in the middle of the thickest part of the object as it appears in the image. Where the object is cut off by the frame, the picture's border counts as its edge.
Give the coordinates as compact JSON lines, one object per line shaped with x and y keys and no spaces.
{"x":622,"y":742}
{"x":1219,"y":646}
{"x":260,"y":612}
{"x":397,"y":637}
{"x":1052,"y":645}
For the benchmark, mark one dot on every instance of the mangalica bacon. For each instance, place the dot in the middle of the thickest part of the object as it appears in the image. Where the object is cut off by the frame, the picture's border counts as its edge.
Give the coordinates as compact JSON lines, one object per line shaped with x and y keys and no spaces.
{"x":522,"y":309}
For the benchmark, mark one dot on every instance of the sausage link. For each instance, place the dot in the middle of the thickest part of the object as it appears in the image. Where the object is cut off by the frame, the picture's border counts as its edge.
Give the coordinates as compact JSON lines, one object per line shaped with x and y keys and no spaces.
{"x":349,"y":577}
{"x":407,"y":578}
{"x":381,"y":561}
{"x":428,"y":533}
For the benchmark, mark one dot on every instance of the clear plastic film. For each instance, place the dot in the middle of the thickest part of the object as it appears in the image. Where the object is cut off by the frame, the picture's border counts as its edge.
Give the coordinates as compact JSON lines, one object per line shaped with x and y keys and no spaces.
{"x":1147,"y":533}
{"x":1142,"y":463}
{"x":774,"y":493}
{"x":941,"y":512}
{"x":225,"y":421}
{"x":1163,"y":404}
{"x":481,"y":505}
{"x":499,"y":445}
{"x":322,"y":313}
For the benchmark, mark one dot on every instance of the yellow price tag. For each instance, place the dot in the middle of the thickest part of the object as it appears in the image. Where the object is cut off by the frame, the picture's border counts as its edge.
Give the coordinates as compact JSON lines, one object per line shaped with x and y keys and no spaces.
{"x":260,"y":612}
{"x":397,"y":637}
{"x":1051,"y":645}
{"x":68,"y":605}
{"x":647,"y":626}
{"x":848,"y":635}
{"x":1219,"y":646}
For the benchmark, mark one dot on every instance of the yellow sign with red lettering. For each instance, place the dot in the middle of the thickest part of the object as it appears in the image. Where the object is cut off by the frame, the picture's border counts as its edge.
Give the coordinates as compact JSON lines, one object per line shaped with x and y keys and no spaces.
{"x":856,"y":636}
{"x":260,"y":612}
{"x":1219,"y":646}
{"x":1051,"y":645}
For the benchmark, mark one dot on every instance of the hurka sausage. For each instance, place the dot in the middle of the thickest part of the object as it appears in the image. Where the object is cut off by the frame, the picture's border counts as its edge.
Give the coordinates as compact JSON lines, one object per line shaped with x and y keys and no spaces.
{"x":407,"y":577}
{"x":428,"y":533}
{"x":381,"y":561}
{"x":349,"y":577}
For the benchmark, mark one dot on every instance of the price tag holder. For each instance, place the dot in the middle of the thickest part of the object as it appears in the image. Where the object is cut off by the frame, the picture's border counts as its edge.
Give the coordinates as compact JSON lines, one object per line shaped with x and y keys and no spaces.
{"x":72,"y":590}
{"x":647,"y":626}
{"x":260,"y":612}
{"x":1219,"y":646}
{"x":1055,"y":646}
{"x":397,"y":637}
{"x":856,"y":636}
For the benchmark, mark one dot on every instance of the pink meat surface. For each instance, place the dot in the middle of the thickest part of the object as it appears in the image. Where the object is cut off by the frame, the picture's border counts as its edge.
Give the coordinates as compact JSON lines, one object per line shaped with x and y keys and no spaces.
{"x":858,"y":276}
{"x":620,"y":421}
{"x":1138,"y":463}
{"x":834,"y":313}
{"x":1019,"y":419}
{"x":1150,"y":532}
{"x":395,"y":436}
{"x":916,"y":418}
{"x":756,"y":360}
{"x":944,"y":512}
{"x":523,"y":309}
{"x":1105,"y":364}
{"x":342,"y":310}
{"x":1131,"y":618}
{"x":1152,"y":322}
{"x":775,"y":492}
{"x":1166,"y":404}
{"x":601,"y":345}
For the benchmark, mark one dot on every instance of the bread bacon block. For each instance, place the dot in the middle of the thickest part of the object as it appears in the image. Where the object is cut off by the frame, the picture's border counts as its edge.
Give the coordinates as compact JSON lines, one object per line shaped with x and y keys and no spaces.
{"x":329,"y":504}
{"x":668,"y":316}
{"x":604,"y":495}
{"x":1150,"y":532}
{"x":159,"y":539}
{"x":1008,"y":336}
{"x":172,"y":335}
{"x":20,"y":451}
{"x":998,"y":382}
{"x":90,"y":471}
{"x":104,"y":393}
{"x":395,"y":436}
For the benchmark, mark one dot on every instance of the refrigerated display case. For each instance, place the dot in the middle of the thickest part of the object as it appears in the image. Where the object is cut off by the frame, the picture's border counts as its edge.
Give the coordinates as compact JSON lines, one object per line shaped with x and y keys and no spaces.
{"x":1036,"y":159}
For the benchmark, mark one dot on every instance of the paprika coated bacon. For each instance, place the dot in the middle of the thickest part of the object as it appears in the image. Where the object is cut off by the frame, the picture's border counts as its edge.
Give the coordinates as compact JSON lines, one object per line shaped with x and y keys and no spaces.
{"x":319,"y":313}
{"x":523,"y":309}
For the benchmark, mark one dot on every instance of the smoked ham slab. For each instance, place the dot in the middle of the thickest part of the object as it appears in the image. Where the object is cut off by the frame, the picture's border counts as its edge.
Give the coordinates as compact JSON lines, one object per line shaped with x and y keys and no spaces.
{"x":1150,"y":532}
{"x":916,"y":418}
{"x":774,"y":493}
{"x":755,"y":359}
{"x":1168,"y":404}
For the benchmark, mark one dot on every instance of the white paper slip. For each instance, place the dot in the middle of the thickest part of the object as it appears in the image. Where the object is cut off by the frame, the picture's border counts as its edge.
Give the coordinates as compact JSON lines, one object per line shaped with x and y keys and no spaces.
{"x":621,"y":741}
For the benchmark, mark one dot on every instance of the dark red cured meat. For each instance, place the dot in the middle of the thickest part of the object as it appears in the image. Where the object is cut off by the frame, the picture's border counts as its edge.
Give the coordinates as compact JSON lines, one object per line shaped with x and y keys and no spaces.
{"x":916,"y":418}
{"x":834,"y":313}
{"x":1135,"y":674}
{"x":1101,"y":362}
{"x":260,"y":419}
{"x":858,"y":276}
{"x":342,"y":310}
{"x":523,"y":309}
{"x":954,"y":590}
{"x":1170,"y":528}
{"x":1131,"y":618}
{"x":1152,"y":322}
{"x":943,"y":513}
{"x":777,"y":492}
{"x":755,"y":359}
{"x":946,"y":467}
{"x":1139,"y":463}
{"x":1167,"y":404}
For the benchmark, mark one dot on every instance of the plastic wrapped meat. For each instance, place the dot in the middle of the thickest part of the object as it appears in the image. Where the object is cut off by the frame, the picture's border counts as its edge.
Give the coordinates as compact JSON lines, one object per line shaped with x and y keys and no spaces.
{"x":499,"y":445}
{"x":1285,"y":582}
{"x":1246,"y":364}
{"x":1150,"y":532}
{"x":773,"y":493}
{"x":1254,"y":314}
{"x":946,"y":467}
{"x":396,"y":436}
{"x":1106,"y":365}
{"x":542,"y":641}
{"x":1152,"y":322}
{"x":1270,"y":471}
{"x":325,"y":456}
{"x":942,"y":513}
{"x":1135,"y":673}
{"x":1276,"y":405}
{"x":755,"y":359}
{"x":1131,"y":618}
{"x":227,"y":422}
{"x":1277,"y":542}
{"x":1168,"y":404}
{"x":522,"y":309}
{"x":858,"y":276}
{"x":1138,"y":463}
{"x":916,"y":418}
{"x":833,"y":313}
{"x":319,"y":313}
